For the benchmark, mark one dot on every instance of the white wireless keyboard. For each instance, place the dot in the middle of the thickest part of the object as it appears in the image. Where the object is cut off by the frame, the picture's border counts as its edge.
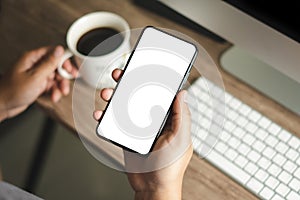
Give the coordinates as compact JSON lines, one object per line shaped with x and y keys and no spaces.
{"x":254,"y":151}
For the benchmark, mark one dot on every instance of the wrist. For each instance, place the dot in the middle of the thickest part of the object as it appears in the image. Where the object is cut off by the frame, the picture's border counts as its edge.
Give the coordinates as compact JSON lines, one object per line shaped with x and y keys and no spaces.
{"x":158,"y":195}
{"x":172,"y":193}
{"x":3,"y":108}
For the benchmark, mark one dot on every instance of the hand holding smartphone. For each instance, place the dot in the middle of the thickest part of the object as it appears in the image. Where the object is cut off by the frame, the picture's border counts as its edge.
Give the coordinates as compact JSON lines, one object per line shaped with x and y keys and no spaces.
{"x":141,"y":102}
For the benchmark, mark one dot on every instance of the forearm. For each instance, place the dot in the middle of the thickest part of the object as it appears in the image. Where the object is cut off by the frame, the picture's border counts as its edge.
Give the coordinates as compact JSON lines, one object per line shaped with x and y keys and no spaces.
{"x":3,"y":112}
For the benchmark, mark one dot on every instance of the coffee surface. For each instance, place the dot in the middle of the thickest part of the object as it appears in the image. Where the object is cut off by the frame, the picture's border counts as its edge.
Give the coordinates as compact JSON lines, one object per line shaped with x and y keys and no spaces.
{"x":108,"y":40}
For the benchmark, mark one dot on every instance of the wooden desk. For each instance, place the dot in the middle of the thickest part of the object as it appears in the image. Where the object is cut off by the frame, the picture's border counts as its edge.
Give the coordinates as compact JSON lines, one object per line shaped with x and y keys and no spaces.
{"x":30,"y":24}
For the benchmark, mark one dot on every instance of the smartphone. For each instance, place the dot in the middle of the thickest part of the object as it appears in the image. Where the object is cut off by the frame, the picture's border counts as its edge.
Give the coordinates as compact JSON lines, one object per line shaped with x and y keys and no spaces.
{"x":156,"y":70}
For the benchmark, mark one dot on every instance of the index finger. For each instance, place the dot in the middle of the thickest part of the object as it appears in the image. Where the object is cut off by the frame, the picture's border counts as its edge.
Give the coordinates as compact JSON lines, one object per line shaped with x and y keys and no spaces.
{"x":50,"y":63}
{"x":31,"y":57}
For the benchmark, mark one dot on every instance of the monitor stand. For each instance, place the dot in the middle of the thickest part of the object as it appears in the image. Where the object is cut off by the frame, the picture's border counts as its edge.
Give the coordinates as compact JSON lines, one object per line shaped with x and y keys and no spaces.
{"x":262,"y":77}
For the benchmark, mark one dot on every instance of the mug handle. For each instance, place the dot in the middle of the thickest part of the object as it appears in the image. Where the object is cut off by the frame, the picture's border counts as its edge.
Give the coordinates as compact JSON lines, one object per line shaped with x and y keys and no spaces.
{"x":68,"y":54}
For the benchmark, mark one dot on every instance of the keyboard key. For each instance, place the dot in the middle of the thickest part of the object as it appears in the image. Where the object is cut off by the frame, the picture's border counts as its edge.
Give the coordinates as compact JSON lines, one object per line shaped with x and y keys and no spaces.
{"x":208,"y":113}
{"x":295,"y":184}
{"x":201,"y":133}
{"x":264,"y":122}
{"x":228,"y":97}
{"x":258,"y":145}
{"x":285,"y":177}
{"x":282,"y":189}
{"x":202,"y":84}
{"x":269,"y":152}
{"x":214,"y":133}
{"x":272,"y":182}
{"x":277,"y":197}
{"x":297,"y":173}
{"x":251,"y":128}
{"x":271,"y":140}
{"x":298,"y":161}
{"x":264,"y":163}
{"x":281,"y":147}
{"x":241,"y":121}
{"x":292,"y":154}
{"x":221,"y":147}
{"x":293,"y":195}
{"x":205,"y":97}
{"x":243,"y":149}
{"x":232,"y":115}
{"x":294,"y":142}
{"x":218,"y":119}
{"x":238,"y":132}
{"x":248,"y":139}
{"x":255,"y":185}
{"x":235,"y":103}
{"x":274,"y":169}
{"x":254,"y":116}
{"x":218,"y":92}
{"x":251,"y":168}
{"x":245,"y":109}
{"x":229,"y":126}
{"x":234,"y":142}
{"x":241,"y":161}
{"x":201,"y":107}
{"x":205,"y":123}
{"x":196,"y":143}
{"x":231,"y":154}
{"x":253,"y":156}
{"x":266,"y":193}
{"x":225,"y":136}
{"x":290,"y":166}
{"x":274,"y":129}
{"x":279,"y":159}
{"x":261,"y":175}
{"x":284,"y":135}
{"x":261,"y":134}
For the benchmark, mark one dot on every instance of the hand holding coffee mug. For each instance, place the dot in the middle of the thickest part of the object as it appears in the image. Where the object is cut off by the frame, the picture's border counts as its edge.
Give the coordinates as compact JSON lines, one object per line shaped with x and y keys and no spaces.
{"x":96,"y":40}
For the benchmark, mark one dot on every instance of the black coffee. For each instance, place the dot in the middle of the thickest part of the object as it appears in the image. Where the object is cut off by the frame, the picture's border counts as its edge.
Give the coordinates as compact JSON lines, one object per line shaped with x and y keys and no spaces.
{"x":104,"y":39}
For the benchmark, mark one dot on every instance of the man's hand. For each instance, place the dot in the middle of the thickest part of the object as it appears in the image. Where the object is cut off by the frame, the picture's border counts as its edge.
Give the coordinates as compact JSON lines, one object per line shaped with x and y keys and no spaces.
{"x":31,"y":76}
{"x":165,"y":183}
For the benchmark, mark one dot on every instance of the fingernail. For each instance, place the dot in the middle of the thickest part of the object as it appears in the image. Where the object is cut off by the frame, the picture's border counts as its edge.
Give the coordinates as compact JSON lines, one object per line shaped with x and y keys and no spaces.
{"x":185,"y":96}
{"x":58,"y":51}
{"x":66,"y":91}
{"x":56,"y":97}
{"x":96,"y":115}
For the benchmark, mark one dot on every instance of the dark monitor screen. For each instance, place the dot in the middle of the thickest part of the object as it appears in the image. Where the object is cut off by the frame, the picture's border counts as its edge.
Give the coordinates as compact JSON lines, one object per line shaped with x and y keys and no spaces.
{"x":284,"y":16}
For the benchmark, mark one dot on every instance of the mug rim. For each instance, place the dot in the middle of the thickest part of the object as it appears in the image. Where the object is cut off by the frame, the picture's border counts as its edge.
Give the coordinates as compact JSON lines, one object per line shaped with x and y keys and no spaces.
{"x":74,"y":25}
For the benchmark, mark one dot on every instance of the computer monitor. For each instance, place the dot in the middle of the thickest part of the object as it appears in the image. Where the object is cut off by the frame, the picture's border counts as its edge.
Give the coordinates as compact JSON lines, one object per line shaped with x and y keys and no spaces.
{"x":266,"y":51}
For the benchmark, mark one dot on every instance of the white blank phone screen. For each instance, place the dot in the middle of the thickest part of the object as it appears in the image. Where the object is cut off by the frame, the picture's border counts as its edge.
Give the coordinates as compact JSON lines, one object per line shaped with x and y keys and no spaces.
{"x":145,"y":93}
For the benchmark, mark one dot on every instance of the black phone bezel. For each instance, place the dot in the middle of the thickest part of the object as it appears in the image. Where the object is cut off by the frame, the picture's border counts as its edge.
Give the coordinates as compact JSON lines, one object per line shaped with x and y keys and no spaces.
{"x":167,"y":114}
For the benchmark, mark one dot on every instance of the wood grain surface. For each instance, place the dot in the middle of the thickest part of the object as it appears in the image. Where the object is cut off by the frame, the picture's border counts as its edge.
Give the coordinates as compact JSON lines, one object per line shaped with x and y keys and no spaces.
{"x":29,"y":24}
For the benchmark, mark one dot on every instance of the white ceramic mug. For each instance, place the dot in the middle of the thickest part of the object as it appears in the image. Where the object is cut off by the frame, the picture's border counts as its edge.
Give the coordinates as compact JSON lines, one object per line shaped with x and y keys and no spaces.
{"x":94,"y":66}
